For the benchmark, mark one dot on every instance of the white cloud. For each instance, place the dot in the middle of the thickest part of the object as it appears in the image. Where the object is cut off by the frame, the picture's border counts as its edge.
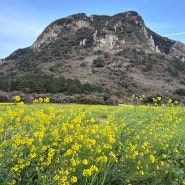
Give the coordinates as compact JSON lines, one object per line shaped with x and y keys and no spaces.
{"x":173,"y":34}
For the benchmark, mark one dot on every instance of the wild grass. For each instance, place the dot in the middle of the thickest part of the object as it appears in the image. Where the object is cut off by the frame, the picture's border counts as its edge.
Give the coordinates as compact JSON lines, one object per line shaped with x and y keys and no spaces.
{"x":54,"y":144}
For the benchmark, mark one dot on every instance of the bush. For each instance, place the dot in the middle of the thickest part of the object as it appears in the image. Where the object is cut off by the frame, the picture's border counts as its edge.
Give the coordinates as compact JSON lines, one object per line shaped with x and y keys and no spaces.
{"x":99,"y":62}
{"x":180,"y":92}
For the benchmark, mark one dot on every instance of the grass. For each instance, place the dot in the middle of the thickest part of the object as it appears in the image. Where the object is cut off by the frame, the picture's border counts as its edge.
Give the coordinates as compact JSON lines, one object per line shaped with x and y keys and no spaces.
{"x":91,"y":144}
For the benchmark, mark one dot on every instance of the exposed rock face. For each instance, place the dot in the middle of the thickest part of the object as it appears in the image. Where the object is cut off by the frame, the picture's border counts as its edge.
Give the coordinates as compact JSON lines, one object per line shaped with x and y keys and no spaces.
{"x":48,"y":35}
{"x":152,"y":44}
{"x":81,"y":23}
{"x":178,"y":50}
{"x":82,"y":43}
{"x":106,"y":43}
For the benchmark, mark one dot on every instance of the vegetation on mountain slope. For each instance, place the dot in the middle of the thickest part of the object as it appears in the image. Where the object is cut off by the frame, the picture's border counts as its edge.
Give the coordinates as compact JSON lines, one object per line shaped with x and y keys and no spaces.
{"x":118,"y":54}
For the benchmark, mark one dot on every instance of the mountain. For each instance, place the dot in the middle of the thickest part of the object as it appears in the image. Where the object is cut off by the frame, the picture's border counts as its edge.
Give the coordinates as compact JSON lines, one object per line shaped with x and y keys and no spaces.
{"x":96,"y":59}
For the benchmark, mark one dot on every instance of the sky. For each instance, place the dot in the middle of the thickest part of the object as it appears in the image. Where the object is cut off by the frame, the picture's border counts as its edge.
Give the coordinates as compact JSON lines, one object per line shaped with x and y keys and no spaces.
{"x":22,"y":21}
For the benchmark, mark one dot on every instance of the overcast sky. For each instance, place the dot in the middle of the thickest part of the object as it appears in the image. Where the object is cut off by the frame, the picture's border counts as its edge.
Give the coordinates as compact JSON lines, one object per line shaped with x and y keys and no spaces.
{"x":21,"y":21}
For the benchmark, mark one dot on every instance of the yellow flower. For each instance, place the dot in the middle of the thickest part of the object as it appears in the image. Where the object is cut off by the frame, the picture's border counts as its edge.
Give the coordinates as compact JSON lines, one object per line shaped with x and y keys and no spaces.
{"x":136,"y":153}
{"x":41,"y":158}
{"x":87,"y":172}
{"x":15,"y":168}
{"x":111,"y":139}
{"x":164,"y":156}
{"x":30,"y":141}
{"x":33,"y":155}
{"x":27,"y":163}
{"x":12,"y":182}
{"x":176,"y":102}
{"x":74,"y":179}
{"x":64,"y":178}
{"x":170,"y":101}
{"x":162,"y":163}
{"x":68,"y":152}
{"x":113,"y":155}
{"x":157,"y":167}
{"x":44,"y":148}
{"x":35,"y":101}
{"x":76,"y":146}
{"x":158,"y":98}
{"x":103,"y":159}
{"x":94,"y":168}
{"x":73,"y":162}
{"x":92,"y":120}
{"x":51,"y":152}
{"x":152,"y":158}
{"x":17,"y":98}
{"x":142,"y":172}
{"x":85,"y":161}
{"x":56,"y":177}
{"x":46,"y":100}
{"x":41,"y":100}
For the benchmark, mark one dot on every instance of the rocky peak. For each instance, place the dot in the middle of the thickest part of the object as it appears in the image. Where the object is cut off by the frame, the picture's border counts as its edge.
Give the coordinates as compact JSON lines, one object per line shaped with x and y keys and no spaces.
{"x":102,"y":32}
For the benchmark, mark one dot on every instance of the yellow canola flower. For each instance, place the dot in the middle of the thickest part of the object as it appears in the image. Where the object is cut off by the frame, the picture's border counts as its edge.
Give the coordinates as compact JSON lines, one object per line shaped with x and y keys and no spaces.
{"x":74,"y":179}
{"x":33,"y":155}
{"x":85,"y":161}
{"x":152,"y":158}
{"x":15,"y":168}
{"x":159,"y":98}
{"x":164,"y":156}
{"x":63,"y":179}
{"x":29,"y":141}
{"x":142,"y":172}
{"x":136,"y":153}
{"x":170,"y":101}
{"x":162,"y":163}
{"x":87,"y":172}
{"x":12,"y":182}
{"x":17,"y":98}
{"x":94,"y":168}
{"x":44,"y":148}
{"x":76,"y":147}
{"x":102,"y":159}
{"x":41,"y":100}
{"x":73,"y":162}
{"x":46,"y":100}
{"x":112,"y":139}
{"x":68,"y":152}
{"x":113,"y":155}
{"x":56,"y":177}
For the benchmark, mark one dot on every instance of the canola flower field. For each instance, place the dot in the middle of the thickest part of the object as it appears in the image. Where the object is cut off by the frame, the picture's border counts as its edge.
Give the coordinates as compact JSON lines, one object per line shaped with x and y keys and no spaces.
{"x":55,"y":144}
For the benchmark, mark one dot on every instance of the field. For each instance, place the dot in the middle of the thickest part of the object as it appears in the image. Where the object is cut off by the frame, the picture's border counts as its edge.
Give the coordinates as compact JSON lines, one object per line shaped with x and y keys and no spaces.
{"x":55,"y":144}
